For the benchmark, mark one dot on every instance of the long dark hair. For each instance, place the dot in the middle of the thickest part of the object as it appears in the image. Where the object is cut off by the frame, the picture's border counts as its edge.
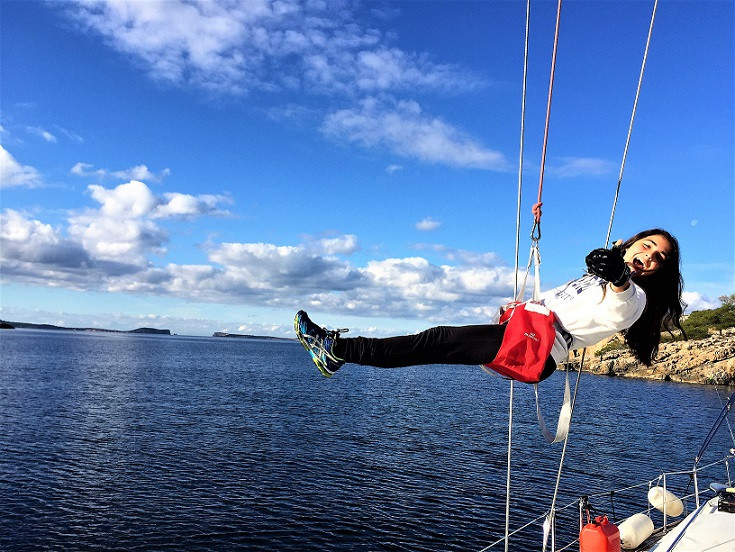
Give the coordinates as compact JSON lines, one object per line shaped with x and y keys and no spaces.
{"x":664,"y":305}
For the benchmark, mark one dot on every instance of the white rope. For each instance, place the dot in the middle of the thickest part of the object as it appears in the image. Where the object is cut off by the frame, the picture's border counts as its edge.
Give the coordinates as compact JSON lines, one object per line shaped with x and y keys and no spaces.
{"x":520,"y":155}
{"x":507,"y":480}
{"x":552,"y":510}
{"x":630,"y":126}
{"x":515,"y":287}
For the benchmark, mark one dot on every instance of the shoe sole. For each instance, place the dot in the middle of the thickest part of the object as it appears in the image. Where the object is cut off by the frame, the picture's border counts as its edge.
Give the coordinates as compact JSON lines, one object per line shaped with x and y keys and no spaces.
{"x":326,"y":373}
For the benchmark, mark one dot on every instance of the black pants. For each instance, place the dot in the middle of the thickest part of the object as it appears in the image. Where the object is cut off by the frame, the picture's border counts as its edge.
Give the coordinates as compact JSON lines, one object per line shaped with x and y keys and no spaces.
{"x":440,"y":345}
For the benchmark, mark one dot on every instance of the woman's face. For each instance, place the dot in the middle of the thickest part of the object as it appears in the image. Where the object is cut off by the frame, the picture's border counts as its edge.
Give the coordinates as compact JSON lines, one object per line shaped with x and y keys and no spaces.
{"x":647,"y":255}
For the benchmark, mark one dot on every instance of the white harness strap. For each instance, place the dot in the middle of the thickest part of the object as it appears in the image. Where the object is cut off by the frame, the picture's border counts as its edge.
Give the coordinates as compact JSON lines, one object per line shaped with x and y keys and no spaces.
{"x":565,"y":415}
{"x":565,"y":412}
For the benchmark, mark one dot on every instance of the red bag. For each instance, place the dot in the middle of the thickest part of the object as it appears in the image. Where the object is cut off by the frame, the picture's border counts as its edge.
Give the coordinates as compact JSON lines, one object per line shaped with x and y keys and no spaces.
{"x":529,"y":336}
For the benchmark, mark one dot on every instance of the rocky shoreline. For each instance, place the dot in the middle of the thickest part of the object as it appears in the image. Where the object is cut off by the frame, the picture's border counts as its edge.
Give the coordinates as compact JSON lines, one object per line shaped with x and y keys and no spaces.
{"x":709,"y":361}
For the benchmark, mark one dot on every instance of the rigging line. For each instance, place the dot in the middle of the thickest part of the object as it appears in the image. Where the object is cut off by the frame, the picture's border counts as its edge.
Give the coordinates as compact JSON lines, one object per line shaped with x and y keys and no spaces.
{"x":515,"y":286}
{"x":566,"y":439}
{"x":520,"y":154}
{"x":729,"y":427}
{"x":548,"y":105}
{"x":630,"y":126}
{"x":507,"y":480}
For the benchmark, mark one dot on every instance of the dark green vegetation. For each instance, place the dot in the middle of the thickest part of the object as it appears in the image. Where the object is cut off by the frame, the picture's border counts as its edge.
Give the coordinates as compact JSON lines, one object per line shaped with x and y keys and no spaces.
{"x":698,"y":325}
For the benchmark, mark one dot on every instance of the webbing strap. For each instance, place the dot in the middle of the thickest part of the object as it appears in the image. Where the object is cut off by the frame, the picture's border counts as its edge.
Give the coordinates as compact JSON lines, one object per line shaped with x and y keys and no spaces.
{"x":565,"y":415}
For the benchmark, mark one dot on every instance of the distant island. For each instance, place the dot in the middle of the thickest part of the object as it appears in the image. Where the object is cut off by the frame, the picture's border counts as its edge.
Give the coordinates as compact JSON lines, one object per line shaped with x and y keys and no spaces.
{"x":247,"y":336}
{"x":6,"y":325}
{"x":27,"y":326}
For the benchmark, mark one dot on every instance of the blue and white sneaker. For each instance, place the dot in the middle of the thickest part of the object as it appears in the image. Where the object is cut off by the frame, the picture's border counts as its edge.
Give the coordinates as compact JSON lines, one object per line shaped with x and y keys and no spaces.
{"x":319,"y":343}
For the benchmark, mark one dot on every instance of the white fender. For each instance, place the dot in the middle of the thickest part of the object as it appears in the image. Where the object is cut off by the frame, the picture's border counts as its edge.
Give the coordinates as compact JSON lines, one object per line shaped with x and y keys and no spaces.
{"x":634,"y":530}
{"x":674,"y":506}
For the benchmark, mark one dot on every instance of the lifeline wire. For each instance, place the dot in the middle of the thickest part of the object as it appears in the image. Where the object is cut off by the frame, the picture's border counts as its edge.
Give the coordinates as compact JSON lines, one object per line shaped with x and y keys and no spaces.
{"x":630,"y":127}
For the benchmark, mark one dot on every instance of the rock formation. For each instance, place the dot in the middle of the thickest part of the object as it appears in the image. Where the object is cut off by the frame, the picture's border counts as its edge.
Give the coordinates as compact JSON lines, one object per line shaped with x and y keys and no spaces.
{"x":706,"y":361}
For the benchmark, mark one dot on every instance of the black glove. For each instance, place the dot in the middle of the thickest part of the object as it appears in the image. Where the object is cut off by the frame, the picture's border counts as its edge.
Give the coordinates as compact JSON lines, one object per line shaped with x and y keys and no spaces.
{"x":609,"y":265}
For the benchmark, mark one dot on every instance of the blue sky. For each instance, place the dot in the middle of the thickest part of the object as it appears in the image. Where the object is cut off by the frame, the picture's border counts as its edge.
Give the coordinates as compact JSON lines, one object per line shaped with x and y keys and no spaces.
{"x":218,"y":166}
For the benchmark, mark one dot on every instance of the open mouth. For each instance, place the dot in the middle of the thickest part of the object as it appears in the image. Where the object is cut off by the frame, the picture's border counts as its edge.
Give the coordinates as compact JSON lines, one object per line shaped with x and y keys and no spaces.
{"x":638,"y":265}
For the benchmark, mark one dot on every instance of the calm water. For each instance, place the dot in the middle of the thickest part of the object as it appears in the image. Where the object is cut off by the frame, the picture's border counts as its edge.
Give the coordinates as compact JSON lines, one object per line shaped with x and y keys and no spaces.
{"x":133,"y":442}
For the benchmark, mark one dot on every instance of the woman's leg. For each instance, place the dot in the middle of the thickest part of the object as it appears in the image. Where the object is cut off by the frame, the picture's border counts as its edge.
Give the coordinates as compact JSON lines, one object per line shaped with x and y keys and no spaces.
{"x":441,"y":345}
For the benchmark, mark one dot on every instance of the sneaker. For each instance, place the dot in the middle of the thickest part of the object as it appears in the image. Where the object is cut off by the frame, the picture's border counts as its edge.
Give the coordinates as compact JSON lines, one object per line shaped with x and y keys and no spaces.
{"x":318,"y":342}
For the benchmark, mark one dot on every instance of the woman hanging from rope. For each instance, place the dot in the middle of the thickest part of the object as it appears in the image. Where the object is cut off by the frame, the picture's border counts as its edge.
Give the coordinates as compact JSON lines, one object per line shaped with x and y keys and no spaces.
{"x":634,"y":288}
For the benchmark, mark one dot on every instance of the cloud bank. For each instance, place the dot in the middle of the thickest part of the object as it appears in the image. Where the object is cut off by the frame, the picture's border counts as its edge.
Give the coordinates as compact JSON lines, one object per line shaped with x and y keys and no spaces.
{"x":119,"y":246}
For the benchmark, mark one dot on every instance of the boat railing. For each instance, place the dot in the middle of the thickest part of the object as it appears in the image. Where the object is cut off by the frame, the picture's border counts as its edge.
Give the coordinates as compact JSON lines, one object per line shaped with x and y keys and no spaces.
{"x":684,"y":484}
{"x":625,"y":502}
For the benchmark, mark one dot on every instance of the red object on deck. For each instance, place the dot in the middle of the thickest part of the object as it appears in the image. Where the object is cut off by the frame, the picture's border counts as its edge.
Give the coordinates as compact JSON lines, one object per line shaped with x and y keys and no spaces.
{"x":599,"y":536}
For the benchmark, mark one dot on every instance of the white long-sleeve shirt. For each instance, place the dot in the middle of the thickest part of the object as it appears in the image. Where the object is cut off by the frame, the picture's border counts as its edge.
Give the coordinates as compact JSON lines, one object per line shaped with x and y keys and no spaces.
{"x":589,"y":311}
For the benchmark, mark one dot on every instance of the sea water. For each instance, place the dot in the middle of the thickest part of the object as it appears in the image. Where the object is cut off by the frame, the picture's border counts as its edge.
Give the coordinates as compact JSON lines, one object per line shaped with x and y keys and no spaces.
{"x":136,"y":442}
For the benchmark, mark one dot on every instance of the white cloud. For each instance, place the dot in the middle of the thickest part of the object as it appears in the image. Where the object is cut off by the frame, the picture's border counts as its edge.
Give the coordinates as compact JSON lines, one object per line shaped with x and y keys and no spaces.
{"x":428,"y":224}
{"x":18,"y":229}
{"x":462,"y":256}
{"x":293,"y":276}
{"x":385,"y":69}
{"x":696,"y":301}
{"x":405,"y":130}
{"x":43,"y":133}
{"x":123,"y":228}
{"x":69,"y":134}
{"x":235,"y":47}
{"x":33,"y":251}
{"x":14,"y":174}
{"x":187,"y":206}
{"x":138,"y":172}
{"x":342,"y":245}
{"x":85,"y":169}
{"x":131,"y":200}
{"x":391,"y":169}
{"x":119,"y":239}
{"x":571,"y":167}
